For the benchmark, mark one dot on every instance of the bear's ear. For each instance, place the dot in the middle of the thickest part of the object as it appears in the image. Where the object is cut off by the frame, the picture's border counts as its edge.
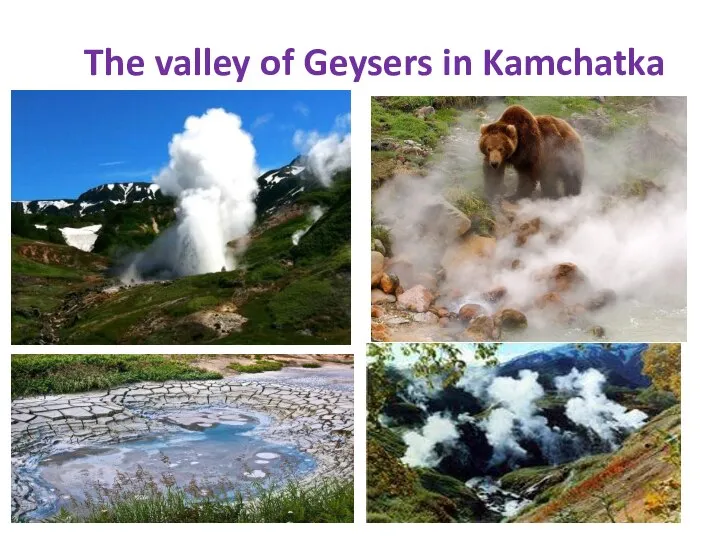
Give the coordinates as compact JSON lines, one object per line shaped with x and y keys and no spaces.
{"x":510,"y":130}
{"x":483,"y":129}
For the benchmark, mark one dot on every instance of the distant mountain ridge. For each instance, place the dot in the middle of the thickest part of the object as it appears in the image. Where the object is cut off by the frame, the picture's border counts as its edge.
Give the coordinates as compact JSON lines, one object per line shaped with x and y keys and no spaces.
{"x":276,"y":188}
{"x":621,"y":363}
{"x":93,"y":200}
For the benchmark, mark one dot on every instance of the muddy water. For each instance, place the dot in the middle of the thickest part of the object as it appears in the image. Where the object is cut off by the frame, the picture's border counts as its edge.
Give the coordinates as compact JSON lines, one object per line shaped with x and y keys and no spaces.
{"x":221,"y":450}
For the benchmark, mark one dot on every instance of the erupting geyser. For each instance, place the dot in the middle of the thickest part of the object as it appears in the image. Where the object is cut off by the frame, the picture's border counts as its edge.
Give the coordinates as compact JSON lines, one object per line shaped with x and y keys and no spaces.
{"x":212,"y":173}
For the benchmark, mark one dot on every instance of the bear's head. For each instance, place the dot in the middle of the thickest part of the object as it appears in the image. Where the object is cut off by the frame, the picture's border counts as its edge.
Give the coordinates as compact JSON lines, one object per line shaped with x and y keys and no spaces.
{"x":498,"y":142}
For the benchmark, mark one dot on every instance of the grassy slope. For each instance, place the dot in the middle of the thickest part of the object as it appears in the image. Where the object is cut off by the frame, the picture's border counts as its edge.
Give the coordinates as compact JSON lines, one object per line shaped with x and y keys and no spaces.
{"x":327,"y":501}
{"x":34,"y":374}
{"x":398,"y":494}
{"x":290,"y":294}
{"x":598,"y":488}
{"x":39,"y":287}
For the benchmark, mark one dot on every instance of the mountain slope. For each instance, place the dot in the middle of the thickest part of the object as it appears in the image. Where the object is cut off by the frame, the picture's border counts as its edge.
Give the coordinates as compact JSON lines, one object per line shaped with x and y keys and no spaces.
{"x":638,"y":482}
{"x":279,"y":293}
{"x":621,"y":363}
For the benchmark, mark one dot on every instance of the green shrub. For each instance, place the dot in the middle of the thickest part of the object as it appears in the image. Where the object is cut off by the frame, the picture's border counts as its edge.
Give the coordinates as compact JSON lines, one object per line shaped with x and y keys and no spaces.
{"x":258,"y":367}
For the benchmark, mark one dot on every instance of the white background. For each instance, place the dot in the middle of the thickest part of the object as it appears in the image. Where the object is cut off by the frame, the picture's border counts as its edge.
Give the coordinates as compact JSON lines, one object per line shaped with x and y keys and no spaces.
{"x":42,"y":48}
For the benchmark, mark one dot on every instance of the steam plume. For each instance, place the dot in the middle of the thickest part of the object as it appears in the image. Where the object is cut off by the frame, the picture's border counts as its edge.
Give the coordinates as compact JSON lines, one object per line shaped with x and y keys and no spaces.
{"x":421,"y":446}
{"x":212,"y":173}
{"x":593,"y":410}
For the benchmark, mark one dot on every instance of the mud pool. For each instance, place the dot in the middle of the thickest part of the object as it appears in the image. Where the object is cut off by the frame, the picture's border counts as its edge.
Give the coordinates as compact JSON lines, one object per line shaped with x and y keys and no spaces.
{"x":224,"y":435}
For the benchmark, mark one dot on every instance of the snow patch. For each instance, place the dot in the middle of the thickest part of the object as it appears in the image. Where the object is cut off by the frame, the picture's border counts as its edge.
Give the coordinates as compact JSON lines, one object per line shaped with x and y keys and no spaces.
{"x":82,"y":238}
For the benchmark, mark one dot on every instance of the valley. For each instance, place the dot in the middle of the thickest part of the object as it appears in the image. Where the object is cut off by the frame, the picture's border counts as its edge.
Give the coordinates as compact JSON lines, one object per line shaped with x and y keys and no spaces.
{"x":278,"y":292}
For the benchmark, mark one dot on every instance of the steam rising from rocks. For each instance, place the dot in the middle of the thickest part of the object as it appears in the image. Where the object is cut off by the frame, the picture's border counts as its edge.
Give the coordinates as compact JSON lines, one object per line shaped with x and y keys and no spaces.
{"x":212,"y":173}
{"x":422,"y":446}
{"x":592,"y":409}
{"x":632,"y":245}
{"x":316,"y":212}
{"x":515,"y":419}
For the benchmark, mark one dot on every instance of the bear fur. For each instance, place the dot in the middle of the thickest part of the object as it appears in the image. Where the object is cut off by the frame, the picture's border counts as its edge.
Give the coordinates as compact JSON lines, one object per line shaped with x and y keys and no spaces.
{"x":542,"y":149}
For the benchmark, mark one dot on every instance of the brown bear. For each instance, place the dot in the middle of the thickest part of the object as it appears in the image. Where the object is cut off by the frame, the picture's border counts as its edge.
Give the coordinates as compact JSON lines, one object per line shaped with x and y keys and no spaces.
{"x":542,"y":149}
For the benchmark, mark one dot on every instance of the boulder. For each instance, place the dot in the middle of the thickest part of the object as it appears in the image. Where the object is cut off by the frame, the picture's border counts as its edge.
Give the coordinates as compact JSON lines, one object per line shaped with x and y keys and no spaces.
{"x":377,"y":261}
{"x":379,"y":332}
{"x":446,"y":219}
{"x":375,"y":279}
{"x":564,"y":277}
{"x":525,"y":230}
{"x":483,"y":328}
{"x":426,"y":318}
{"x":495,"y":294}
{"x":549,"y":300}
{"x":469,"y":249}
{"x":443,"y":322}
{"x":379,"y":297}
{"x":470,"y":311}
{"x":596,"y":122}
{"x":417,"y":299}
{"x":511,"y":319}
{"x":379,"y":246}
{"x":424,"y":112}
{"x":389,"y":283}
{"x":376,"y":312}
{"x":597,"y":331}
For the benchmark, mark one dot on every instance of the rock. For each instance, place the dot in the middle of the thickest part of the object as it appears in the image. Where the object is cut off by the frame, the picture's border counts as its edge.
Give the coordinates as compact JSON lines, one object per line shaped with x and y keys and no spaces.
{"x":379,"y":332}
{"x":443,"y":322}
{"x":376,"y":312}
{"x":447,"y":221}
{"x":516,"y":264}
{"x":483,"y":328}
{"x":399,"y":290}
{"x":495,"y":295}
{"x":426,"y":318}
{"x":417,"y":299}
{"x":379,"y":297}
{"x":377,"y":261}
{"x":525,"y":230}
{"x":511,"y":319}
{"x":551,"y":299}
{"x":389,"y":283}
{"x":396,"y":321}
{"x":424,"y":112}
{"x":470,"y":311}
{"x":599,"y":99}
{"x":442,"y":312}
{"x":375,"y":279}
{"x":469,"y":249}
{"x":564,"y":277}
{"x":384,"y":145}
{"x":596,"y":122}
{"x":600,"y":300}
{"x":597,"y":331}
{"x":379,"y":246}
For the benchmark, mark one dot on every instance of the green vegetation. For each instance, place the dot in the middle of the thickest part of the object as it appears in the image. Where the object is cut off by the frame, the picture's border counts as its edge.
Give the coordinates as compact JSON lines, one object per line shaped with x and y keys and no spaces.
{"x":42,"y":275}
{"x":138,"y":499}
{"x":259,"y":366}
{"x":34,"y":374}
{"x":310,"y":365}
{"x":620,"y":110}
{"x":394,"y":117}
{"x":21,"y":225}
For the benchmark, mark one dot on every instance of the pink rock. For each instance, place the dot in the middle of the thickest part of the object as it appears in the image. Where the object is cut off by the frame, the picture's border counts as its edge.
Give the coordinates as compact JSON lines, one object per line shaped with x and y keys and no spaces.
{"x":417,"y":298}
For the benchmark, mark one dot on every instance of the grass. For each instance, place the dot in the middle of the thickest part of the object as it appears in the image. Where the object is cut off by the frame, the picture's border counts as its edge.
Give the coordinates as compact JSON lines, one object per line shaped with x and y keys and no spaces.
{"x":259,"y":366}
{"x":39,"y":374}
{"x":310,"y":365}
{"x":138,"y":499}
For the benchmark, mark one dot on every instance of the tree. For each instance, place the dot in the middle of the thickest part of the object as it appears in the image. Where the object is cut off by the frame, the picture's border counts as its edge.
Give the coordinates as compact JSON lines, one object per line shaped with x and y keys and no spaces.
{"x":443,"y":362}
{"x":662,"y":365}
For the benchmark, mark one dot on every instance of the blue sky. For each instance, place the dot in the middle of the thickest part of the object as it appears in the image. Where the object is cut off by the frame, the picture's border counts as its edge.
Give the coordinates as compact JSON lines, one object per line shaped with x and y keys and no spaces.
{"x":64,"y":142}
